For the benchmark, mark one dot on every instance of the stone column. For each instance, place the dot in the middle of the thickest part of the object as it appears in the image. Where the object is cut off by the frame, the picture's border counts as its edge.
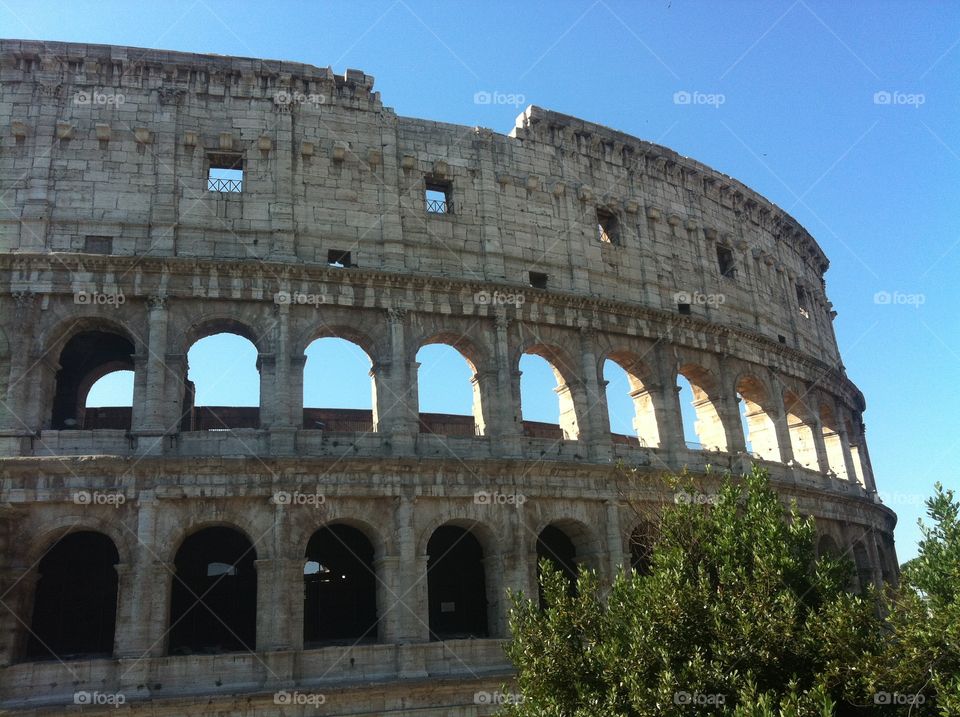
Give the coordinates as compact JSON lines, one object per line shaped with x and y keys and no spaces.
{"x":396,"y":409}
{"x":389,"y":610}
{"x":279,"y":604}
{"x":615,"y":552}
{"x":150,"y":418}
{"x":728,"y":407}
{"x":780,"y":424}
{"x":22,"y":412}
{"x":408,"y":621}
{"x":19,"y":585}
{"x":816,"y":427}
{"x":596,"y":428}
{"x":506,"y":415}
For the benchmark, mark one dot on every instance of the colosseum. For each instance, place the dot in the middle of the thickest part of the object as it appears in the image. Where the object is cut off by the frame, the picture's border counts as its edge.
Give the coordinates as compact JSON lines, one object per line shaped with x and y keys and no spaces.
{"x":177,"y":558}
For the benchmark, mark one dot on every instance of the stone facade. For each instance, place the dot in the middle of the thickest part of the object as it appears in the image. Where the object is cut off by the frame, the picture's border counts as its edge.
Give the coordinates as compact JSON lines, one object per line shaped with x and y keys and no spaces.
{"x":114,"y":253}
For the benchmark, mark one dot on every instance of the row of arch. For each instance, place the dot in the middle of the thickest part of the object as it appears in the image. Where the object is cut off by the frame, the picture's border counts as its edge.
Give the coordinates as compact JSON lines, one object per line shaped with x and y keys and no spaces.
{"x":213,"y":588}
{"x":813,"y":432}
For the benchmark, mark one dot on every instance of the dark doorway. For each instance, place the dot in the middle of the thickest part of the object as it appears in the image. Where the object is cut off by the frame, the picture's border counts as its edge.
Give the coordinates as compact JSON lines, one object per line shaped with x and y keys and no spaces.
{"x":75,"y":603}
{"x":340,"y":589}
{"x":85,"y":358}
{"x":213,"y":604}
{"x":456,"y":584}
{"x":555,"y":545}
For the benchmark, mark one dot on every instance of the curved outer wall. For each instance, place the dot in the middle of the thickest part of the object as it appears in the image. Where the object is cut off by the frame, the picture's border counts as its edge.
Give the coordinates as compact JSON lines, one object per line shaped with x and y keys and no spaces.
{"x":327,"y":168}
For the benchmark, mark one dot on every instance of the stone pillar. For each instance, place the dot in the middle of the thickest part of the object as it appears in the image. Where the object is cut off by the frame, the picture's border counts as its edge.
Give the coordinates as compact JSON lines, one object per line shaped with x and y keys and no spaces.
{"x":506,"y":416}
{"x":279,"y":604}
{"x":816,"y":427}
{"x":728,"y":408}
{"x":23,"y":405}
{"x":849,"y":467}
{"x":389,"y":609}
{"x":614,"y":538}
{"x":267,"y":368}
{"x":409,"y":621}
{"x":868,"y":479}
{"x":18,"y":585}
{"x":596,"y":428}
{"x":146,"y":594}
{"x":281,"y":206}
{"x":780,"y":424}
{"x":396,"y":409}
{"x":150,"y":418}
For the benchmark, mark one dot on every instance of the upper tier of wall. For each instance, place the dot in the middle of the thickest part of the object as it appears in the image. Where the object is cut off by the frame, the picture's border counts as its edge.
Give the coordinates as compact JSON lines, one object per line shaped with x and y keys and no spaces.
{"x":115,"y":143}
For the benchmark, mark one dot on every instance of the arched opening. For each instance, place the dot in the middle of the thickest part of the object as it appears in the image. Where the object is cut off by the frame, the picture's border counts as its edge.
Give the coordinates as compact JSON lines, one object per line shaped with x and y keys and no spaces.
{"x":223,"y":384}
{"x":456,"y":585}
{"x":545,"y":416}
{"x":109,"y":402}
{"x":213,"y":602}
{"x":832,"y":442}
{"x":862,"y":563}
{"x":800,"y":425}
{"x":555,"y":546}
{"x":630,"y":404}
{"x":642,"y":540}
{"x":698,"y":409}
{"x":75,"y":601}
{"x":86,"y":358}
{"x":340,"y":589}
{"x":338,"y":388}
{"x":757,"y":419}
{"x":448,"y":389}
{"x":827,"y":547}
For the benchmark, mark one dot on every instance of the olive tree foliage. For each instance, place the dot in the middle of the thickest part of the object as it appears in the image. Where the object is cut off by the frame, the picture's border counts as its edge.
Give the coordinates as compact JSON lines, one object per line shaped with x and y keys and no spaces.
{"x":736,"y":616}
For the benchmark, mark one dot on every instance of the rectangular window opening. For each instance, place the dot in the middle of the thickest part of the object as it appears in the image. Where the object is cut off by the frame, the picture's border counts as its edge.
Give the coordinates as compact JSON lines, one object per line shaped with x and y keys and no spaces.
{"x":802,"y":301}
{"x":608,"y":227}
{"x":338,"y":258}
{"x":538,"y":280}
{"x":728,"y":267}
{"x":439,"y":197}
{"x":225,"y":173}
{"x":684,"y":309}
{"x":97,"y":245}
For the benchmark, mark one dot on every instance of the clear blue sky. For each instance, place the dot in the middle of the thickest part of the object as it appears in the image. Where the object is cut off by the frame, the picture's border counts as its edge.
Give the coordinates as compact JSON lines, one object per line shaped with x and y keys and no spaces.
{"x":876,"y":184}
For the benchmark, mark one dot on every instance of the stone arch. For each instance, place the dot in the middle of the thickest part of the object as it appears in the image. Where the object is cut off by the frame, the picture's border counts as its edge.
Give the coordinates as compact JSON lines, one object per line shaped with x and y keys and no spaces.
{"x":801,"y":425}
{"x":832,"y":441}
{"x":478,"y":362}
{"x":458,"y":584}
{"x":761,"y":416}
{"x":306,"y":530}
{"x":337,"y":418}
{"x":827,"y":546}
{"x":174,"y":537}
{"x":74,"y":607}
{"x":710,"y":427}
{"x":641,"y":543}
{"x":44,"y":536}
{"x":643,"y":391}
{"x":556,"y":537}
{"x":222,"y":323}
{"x":569,"y":388}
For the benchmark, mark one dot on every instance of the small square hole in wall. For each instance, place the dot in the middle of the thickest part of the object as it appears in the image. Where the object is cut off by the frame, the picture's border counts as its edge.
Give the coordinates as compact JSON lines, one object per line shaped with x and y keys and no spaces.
{"x":439,"y":197}
{"x":608,"y":227}
{"x":338,"y":258}
{"x":538,"y":280}
{"x":97,"y":244}
{"x":684,"y":309}
{"x":224,"y":172}
{"x":781,"y":338}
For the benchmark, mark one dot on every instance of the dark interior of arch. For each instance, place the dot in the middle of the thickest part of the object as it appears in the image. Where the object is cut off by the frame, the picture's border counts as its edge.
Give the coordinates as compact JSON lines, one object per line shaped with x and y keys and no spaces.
{"x":456,"y":585}
{"x":75,"y":603}
{"x":555,"y":546}
{"x":641,"y":548}
{"x":213,"y":602}
{"x":88,"y":354}
{"x":340,"y":591}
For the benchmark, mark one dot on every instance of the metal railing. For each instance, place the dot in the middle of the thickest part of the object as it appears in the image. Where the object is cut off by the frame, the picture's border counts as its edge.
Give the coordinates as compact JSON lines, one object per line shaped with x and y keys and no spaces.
{"x":216,"y":184}
{"x":439,"y":206}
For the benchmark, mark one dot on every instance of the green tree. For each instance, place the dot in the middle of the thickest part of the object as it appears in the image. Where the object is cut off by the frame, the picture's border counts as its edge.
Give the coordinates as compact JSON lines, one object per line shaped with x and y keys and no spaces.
{"x":736,"y":616}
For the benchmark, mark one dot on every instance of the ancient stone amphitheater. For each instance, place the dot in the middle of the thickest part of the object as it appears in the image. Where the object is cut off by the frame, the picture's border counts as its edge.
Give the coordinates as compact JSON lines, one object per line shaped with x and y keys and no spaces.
{"x":184,"y":559}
